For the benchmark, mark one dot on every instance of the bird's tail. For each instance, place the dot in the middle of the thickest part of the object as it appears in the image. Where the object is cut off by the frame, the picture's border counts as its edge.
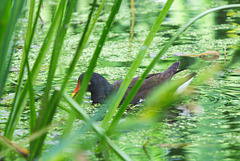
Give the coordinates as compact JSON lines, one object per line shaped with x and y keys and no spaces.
{"x":172,"y":69}
{"x":187,"y":80}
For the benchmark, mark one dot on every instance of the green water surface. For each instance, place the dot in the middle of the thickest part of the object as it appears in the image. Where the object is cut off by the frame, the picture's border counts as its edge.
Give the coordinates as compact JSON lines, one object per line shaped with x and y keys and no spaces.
{"x":203,"y":126}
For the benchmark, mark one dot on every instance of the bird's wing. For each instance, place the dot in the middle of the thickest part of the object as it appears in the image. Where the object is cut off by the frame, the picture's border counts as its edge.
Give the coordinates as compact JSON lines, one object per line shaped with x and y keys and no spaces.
{"x":151,"y":80}
{"x":117,"y":84}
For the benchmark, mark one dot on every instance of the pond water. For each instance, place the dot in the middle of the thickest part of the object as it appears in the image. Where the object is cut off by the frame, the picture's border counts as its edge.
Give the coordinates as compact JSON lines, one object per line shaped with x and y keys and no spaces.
{"x":204,"y":126}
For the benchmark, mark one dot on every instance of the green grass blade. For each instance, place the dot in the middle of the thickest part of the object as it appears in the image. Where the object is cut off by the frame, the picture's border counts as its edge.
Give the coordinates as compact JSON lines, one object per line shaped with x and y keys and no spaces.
{"x":115,"y":103}
{"x":10,"y":12}
{"x":16,"y":10}
{"x":83,"y":41}
{"x":61,"y":31}
{"x":29,"y":32}
{"x":48,"y":107}
{"x":30,"y":75}
{"x":28,"y":41}
{"x":5,"y":12}
{"x":84,"y":38}
{"x":81,"y":45}
{"x":33,"y":115}
{"x":98,"y":49}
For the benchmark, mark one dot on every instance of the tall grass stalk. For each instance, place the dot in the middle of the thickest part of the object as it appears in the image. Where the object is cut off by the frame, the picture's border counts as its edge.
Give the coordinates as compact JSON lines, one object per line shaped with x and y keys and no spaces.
{"x":116,"y":101}
{"x":47,"y":111}
{"x":83,"y":40}
{"x":9,"y":13}
{"x":98,"y":49}
{"x":29,"y":38}
{"x":11,"y":123}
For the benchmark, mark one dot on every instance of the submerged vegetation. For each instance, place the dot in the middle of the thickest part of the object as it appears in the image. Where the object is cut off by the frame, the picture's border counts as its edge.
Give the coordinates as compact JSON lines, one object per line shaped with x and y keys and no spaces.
{"x":106,"y":133}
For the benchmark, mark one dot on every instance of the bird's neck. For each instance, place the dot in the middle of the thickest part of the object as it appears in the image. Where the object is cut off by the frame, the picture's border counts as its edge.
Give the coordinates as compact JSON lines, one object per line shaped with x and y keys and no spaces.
{"x":99,"y":94}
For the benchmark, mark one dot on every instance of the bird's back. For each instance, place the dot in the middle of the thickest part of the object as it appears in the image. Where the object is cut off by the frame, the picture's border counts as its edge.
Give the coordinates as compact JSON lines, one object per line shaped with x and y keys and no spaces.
{"x":151,"y":81}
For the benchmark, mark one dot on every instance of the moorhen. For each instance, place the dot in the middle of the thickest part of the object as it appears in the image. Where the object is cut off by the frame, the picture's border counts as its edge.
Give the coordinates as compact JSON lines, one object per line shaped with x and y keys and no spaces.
{"x":100,"y":88}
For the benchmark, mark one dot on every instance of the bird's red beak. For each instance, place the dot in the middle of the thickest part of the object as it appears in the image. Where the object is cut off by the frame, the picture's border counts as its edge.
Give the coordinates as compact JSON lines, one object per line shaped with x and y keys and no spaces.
{"x":75,"y":92}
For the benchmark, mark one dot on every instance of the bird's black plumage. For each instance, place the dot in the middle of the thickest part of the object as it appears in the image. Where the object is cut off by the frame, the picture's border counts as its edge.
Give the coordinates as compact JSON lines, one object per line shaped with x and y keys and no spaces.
{"x":100,"y":88}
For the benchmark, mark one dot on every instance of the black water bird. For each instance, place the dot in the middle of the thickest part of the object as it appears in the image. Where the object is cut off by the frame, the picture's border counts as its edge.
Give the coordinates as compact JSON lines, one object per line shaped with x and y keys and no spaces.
{"x":100,"y":88}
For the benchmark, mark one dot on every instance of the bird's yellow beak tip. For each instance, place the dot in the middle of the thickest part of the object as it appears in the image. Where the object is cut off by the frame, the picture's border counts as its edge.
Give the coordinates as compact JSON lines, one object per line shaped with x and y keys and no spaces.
{"x":74,"y":95}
